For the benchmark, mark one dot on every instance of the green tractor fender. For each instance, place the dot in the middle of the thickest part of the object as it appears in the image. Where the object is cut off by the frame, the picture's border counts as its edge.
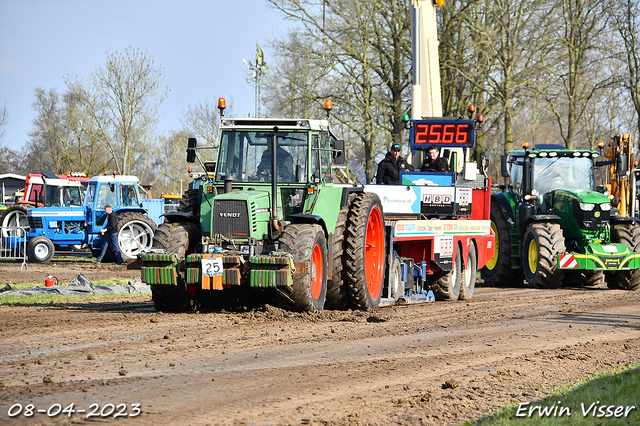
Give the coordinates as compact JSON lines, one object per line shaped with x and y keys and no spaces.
{"x":507,"y":204}
{"x":311,"y":219}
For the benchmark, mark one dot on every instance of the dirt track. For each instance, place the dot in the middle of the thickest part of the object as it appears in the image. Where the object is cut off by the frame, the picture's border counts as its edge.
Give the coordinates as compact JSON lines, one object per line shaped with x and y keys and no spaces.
{"x":268,"y":366}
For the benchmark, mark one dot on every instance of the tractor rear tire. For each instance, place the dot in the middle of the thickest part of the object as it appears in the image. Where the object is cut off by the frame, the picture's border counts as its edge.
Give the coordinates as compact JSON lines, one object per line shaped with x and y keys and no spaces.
{"x":469,"y":274}
{"x":542,"y":244}
{"x":628,"y":234}
{"x":365,"y":251}
{"x":135,"y":234}
{"x":189,"y":202}
{"x":306,"y":243}
{"x":498,"y":271}
{"x":447,"y":287}
{"x":181,"y":239}
{"x":40,"y":249}
{"x":337,"y":290}
{"x":582,"y":278}
{"x":13,"y":217}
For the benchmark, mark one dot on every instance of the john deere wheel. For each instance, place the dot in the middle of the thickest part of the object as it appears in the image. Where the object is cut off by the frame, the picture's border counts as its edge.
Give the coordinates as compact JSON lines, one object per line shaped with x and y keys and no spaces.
{"x":582,"y":278}
{"x":40,"y":249}
{"x":542,"y":244}
{"x":306,"y":243}
{"x":447,"y":286}
{"x":469,"y":274}
{"x":498,"y":272}
{"x":365,"y":251}
{"x":337,"y":291}
{"x":135,"y":233}
{"x":181,"y":239}
{"x":628,"y":234}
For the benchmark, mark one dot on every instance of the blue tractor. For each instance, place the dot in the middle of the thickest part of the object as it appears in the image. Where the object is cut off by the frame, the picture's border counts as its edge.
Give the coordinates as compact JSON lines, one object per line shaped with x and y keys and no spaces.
{"x":61,"y":228}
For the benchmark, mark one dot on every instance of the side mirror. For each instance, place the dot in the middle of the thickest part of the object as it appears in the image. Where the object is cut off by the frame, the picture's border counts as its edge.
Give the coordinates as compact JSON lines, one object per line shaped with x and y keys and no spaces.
{"x":504,"y":166}
{"x":191,"y":150}
{"x":622,"y":164}
{"x":338,"y":155}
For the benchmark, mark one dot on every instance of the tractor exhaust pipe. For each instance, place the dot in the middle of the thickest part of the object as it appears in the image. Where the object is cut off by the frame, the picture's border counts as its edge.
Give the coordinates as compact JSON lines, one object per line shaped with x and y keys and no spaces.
{"x":276,"y":226}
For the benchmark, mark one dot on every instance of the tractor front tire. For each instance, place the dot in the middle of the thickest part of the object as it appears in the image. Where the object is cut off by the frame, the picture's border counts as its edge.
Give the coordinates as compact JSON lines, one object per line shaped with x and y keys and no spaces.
{"x":498,"y":272}
{"x":306,"y":243}
{"x":628,"y":234}
{"x":181,"y":239}
{"x":365,"y":251}
{"x":582,"y":278}
{"x":542,"y":244}
{"x":40,"y":249}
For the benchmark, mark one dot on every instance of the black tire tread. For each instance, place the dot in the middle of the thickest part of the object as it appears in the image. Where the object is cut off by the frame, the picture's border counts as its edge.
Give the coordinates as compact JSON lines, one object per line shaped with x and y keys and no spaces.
{"x":503,"y":275}
{"x":443,"y":286}
{"x":357,"y":221}
{"x":550,"y":243}
{"x":174,"y":238}
{"x":472,"y":268}
{"x":628,"y":234}
{"x":299,"y":241}
{"x":337,"y":291}
{"x":582,"y":278}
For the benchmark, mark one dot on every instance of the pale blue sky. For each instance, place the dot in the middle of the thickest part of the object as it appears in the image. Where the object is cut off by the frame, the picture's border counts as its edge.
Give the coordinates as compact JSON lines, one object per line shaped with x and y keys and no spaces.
{"x":199,"y":43}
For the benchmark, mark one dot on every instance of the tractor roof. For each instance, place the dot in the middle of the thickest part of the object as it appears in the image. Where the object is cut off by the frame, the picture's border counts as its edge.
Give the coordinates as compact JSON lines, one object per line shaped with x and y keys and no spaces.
{"x":269,"y":123}
{"x":115,"y":179}
{"x":554,"y":151}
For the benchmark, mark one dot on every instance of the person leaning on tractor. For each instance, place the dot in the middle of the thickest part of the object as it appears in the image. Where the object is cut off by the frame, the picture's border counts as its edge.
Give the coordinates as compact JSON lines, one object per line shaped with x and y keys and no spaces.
{"x":433,"y":162}
{"x":110,"y":236}
{"x":390,"y":167}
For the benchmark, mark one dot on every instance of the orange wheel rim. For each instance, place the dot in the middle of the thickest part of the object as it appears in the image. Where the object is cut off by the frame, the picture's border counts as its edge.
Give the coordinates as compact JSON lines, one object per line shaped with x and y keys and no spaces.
{"x":317,"y":273}
{"x":374,"y":253}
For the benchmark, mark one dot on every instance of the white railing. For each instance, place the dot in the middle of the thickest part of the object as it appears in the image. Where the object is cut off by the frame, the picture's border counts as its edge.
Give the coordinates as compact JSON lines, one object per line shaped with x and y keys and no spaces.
{"x":13,"y":244}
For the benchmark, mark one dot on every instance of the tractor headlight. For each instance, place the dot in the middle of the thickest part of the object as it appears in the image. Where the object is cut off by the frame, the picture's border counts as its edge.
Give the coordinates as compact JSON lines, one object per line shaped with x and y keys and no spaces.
{"x":605,"y":207}
{"x":587,"y":207}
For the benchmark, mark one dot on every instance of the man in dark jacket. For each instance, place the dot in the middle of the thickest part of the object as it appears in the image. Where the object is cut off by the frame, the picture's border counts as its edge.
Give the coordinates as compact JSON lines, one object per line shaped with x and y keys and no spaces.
{"x":390,"y":167}
{"x":110,"y":236}
{"x":433,"y":162}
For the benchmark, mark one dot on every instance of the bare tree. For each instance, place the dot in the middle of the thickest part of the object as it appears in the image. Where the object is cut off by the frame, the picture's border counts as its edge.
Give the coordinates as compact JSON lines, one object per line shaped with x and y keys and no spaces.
{"x":626,"y":14}
{"x":169,"y":171}
{"x":202,"y":121}
{"x":4,"y":118}
{"x":123,"y":100}
{"x":358,"y":53}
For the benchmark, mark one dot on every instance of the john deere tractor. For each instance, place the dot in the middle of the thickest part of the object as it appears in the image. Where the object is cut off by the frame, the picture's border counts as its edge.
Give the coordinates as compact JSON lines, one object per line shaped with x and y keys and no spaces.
{"x":267,"y":223}
{"x":552,"y":227}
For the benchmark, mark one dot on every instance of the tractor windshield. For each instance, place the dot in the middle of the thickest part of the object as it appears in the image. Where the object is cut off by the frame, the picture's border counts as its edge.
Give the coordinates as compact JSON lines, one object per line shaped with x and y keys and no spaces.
{"x":246,"y":156}
{"x":550,"y":173}
{"x":62,"y":196}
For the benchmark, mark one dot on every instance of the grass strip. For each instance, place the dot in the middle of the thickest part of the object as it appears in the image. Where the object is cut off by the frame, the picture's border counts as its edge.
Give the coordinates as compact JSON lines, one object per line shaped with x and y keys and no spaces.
{"x":611,"y":398}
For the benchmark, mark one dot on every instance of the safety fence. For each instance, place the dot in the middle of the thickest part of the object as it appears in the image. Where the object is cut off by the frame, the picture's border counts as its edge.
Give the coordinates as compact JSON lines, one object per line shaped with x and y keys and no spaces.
{"x":13,"y":244}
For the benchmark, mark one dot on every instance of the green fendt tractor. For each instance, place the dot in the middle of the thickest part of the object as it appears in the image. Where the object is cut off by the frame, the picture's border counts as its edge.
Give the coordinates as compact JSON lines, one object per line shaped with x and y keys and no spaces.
{"x":553,"y":228}
{"x":267,"y":223}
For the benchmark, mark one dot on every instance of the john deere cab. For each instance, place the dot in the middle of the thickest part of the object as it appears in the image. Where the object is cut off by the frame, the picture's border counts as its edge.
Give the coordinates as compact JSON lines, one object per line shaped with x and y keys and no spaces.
{"x":552,"y":227}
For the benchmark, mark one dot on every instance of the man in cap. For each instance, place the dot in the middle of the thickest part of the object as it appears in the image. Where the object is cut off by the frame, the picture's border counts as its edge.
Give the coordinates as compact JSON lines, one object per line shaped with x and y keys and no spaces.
{"x":433,"y":162}
{"x":390,"y":167}
{"x":110,"y":236}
